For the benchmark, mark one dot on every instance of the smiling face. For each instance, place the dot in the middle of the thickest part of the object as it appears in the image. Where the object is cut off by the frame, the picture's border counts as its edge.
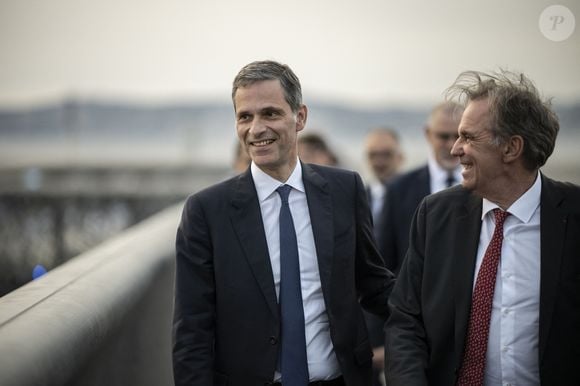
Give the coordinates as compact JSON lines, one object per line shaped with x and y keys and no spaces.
{"x":483,"y":168}
{"x":267,"y":127}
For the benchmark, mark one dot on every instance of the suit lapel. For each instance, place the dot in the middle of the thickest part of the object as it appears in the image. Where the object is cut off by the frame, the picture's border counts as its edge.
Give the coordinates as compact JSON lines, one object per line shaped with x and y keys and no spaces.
{"x":321,"y":218}
{"x":247,"y":222}
{"x":468,"y":227}
{"x":424,"y":189}
{"x":552,"y":231}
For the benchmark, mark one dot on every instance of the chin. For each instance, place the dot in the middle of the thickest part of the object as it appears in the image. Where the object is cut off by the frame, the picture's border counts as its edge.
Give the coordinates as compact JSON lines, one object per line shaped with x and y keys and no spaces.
{"x":262,"y":160}
{"x":469,"y":185}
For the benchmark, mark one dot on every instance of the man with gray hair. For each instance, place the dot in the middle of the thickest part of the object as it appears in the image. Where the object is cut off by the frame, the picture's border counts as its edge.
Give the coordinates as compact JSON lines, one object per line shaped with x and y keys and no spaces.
{"x":273,"y":265}
{"x":405,"y":191}
{"x":489,"y":292}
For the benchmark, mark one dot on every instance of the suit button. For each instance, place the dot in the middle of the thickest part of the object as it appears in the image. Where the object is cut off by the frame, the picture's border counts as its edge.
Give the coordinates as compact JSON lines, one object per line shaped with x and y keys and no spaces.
{"x":273,"y":340}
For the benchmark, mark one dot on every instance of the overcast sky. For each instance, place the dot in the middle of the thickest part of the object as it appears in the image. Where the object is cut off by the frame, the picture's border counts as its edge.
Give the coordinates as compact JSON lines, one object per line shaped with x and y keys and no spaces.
{"x":365,"y":52}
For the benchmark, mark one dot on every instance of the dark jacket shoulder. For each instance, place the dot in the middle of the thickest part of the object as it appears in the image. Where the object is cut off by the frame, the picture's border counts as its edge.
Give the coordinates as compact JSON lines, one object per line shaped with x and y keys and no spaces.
{"x":412,"y":177}
{"x":562,"y":193}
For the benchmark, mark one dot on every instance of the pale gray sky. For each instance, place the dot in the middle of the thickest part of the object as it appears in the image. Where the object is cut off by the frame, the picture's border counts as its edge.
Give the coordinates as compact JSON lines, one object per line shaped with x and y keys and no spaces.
{"x":365,"y":52}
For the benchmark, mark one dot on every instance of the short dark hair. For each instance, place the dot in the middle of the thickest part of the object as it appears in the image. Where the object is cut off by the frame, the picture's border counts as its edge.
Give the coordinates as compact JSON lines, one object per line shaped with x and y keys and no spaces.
{"x":271,"y":70}
{"x":317,"y":143}
{"x":515,"y":108}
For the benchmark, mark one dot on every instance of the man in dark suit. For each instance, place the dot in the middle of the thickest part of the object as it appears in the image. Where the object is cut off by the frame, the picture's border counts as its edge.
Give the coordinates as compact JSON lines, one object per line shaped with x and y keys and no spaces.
{"x":405,"y":192}
{"x":489,"y":292}
{"x":239,"y":268}
{"x":384,"y":157}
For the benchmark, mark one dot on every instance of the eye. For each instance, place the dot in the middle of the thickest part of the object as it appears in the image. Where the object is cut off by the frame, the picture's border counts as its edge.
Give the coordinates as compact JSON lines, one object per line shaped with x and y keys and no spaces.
{"x":270,"y":114}
{"x":243,"y":117}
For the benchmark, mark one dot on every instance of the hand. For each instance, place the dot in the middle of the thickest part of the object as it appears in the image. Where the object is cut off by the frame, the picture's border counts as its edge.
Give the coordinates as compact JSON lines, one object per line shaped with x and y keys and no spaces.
{"x":379,"y":358}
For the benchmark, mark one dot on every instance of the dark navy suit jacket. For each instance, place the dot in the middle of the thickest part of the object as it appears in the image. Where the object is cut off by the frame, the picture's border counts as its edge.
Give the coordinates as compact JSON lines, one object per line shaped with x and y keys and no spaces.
{"x":227,"y":322}
{"x":403,"y":196}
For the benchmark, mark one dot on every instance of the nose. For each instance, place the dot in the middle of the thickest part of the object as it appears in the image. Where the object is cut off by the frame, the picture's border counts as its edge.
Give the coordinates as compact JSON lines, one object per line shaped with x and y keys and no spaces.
{"x":257,"y":127}
{"x":457,"y":148}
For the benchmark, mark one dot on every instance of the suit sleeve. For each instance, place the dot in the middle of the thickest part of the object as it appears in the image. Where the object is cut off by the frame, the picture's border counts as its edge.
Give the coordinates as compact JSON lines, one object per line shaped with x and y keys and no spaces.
{"x":406,"y":351}
{"x":194,"y":312}
{"x":374,"y":282}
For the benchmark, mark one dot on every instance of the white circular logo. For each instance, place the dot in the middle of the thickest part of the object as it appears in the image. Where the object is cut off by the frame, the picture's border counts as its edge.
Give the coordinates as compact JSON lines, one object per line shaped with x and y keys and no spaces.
{"x":557,"y":23}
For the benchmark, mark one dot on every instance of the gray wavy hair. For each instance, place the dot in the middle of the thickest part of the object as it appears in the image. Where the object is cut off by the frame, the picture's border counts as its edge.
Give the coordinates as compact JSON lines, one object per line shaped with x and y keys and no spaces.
{"x":515,"y":108}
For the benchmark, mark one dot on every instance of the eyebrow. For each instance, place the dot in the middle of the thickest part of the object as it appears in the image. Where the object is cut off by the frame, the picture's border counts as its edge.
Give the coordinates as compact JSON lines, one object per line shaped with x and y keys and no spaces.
{"x":269,"y":109}
{"x":263,"y":110}
{"x":239,"y":113}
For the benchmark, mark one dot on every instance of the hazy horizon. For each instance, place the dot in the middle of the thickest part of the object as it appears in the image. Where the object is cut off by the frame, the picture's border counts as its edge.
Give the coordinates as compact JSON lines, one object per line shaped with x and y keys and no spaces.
{"x":368,"y":53}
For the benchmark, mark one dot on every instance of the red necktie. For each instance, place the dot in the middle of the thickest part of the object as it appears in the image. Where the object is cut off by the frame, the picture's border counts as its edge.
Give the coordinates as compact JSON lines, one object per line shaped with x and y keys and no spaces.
{"x":473,"y":365}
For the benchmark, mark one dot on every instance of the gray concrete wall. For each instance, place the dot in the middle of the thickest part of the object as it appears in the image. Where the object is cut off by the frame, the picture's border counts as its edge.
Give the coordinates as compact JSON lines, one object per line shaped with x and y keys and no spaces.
{"x":103,"y":318}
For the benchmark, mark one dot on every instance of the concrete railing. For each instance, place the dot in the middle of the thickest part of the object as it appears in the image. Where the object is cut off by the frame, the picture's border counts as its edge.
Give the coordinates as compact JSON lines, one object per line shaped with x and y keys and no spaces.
{"x":103,"y":318}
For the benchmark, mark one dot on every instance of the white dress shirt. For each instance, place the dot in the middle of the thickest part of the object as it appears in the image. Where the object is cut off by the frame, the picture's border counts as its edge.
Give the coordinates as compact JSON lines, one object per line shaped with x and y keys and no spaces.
{"x":322,"y":362}
{"x":438,"y":175}
{"x":377,"y":190}
{"x":512,"y":350}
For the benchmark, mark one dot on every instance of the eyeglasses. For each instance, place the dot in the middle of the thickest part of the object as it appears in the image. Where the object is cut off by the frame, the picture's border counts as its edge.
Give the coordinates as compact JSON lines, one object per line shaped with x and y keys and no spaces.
{"x":446,"y":136}
{"x":381,"y":154}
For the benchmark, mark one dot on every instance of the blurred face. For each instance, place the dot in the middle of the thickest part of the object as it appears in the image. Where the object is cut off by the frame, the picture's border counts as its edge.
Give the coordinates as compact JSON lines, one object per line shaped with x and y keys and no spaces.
{"x":314,"y":155}
{"x":441,"y":135}
{"x":242,"y":161}
{"x":267,"y":127}
{"x":384,"y":155}
{"x":481,"y":159}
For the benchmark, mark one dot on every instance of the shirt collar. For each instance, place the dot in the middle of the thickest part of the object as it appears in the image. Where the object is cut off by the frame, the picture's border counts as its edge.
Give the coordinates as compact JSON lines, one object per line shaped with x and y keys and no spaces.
{"x":266,"y":185}
{"x":524,"y":207}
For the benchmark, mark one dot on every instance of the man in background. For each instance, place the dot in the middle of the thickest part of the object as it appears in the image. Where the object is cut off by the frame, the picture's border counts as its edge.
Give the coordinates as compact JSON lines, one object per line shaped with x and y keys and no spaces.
{"x":241,"y":159}
{"x":313,"y":149}
{"x":385,"y":158}
{"x":405,"y":192}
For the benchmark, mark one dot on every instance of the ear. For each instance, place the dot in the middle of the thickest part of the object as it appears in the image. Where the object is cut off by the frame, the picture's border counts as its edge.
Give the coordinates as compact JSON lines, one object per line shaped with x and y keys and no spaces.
{"x":400,"y":158}
{"x":301,"y":117}
{"x":427,"y":134}
{"x":513,"y":149}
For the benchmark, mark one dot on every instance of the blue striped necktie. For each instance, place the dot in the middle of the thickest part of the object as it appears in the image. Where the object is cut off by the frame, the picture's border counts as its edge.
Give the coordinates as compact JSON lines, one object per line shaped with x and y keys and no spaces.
{"x":293,"y":361}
